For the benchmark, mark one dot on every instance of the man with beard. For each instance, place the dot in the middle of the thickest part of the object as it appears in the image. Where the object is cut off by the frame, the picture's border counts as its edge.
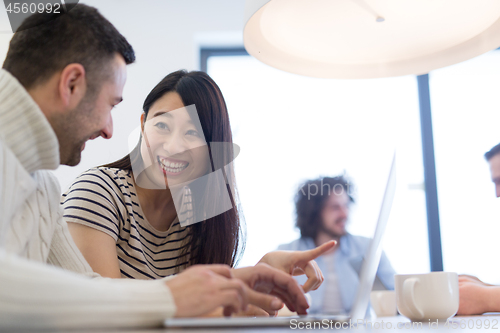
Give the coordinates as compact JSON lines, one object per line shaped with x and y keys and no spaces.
{"x":62,"y":76}
{"x":322,"y":207}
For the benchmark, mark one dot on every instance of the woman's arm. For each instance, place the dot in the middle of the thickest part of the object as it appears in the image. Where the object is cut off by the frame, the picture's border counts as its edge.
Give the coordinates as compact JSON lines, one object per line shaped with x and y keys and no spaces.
{"x":92,"y":212}
{"x":98,"y":248}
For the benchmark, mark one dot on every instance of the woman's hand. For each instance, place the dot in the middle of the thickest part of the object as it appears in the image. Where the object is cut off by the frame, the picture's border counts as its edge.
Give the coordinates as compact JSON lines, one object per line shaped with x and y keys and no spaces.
{"x":300,"y":262}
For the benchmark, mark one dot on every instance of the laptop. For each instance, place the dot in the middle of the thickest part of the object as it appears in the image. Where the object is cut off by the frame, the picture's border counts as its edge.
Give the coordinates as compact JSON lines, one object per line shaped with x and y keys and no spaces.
{"x":360,"y":306}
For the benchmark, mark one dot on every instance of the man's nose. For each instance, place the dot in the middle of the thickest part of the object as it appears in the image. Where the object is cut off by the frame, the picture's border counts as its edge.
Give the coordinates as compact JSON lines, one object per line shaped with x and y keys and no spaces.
{"x":107,"y":131}
{"x":345,"y":212}
{"x":497,"y":188}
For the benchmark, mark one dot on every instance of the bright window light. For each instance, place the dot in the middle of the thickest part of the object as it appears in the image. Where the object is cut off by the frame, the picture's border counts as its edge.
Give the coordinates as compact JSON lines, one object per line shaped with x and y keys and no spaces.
{"x":292,"y":128}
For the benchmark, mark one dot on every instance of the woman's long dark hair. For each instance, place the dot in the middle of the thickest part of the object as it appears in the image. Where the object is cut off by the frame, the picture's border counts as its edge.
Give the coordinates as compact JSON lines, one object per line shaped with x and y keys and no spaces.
{"x":217,"y":240}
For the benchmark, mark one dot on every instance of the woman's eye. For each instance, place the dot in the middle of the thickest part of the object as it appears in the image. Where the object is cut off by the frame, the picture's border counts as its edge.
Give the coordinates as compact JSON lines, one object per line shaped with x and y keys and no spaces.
{"x":161,"y":126}
{"x":193,"y":133}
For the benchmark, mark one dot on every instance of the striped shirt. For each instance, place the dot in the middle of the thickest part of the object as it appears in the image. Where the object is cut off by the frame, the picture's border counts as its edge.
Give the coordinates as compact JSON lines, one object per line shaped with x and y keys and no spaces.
{"x":105,"y":199}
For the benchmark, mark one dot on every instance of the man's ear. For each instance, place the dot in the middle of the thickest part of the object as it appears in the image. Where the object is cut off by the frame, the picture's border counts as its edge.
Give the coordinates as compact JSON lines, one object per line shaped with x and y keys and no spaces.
{"x":72,"y":85}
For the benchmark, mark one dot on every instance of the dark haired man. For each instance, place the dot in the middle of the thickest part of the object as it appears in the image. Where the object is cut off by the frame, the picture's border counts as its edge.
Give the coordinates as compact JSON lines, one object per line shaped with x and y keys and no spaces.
{"x":322,"y":207}
{"x":477,"y":297}
{"x":60,"y":81}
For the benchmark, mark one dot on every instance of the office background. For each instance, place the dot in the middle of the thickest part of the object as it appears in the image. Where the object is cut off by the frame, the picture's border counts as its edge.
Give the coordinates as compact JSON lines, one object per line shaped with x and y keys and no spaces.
{"x":291,"y":128}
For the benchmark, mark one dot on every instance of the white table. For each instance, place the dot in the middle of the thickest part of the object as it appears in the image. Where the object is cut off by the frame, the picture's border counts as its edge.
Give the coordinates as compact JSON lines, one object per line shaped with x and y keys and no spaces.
{"x":383,"y":324}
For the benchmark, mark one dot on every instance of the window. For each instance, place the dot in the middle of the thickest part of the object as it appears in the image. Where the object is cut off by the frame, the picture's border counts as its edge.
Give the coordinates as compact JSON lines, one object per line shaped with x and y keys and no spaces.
{"x":292,"y":128}
{"x":466,"y":118}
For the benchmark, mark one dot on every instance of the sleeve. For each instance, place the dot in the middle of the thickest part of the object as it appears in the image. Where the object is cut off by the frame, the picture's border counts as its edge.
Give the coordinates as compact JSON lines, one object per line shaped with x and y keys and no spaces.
{"x":65,"y":254}
{"x":37,"y":296}
{"x":15,"y":186}
{"x":282,"y":247}
{"x":62,"y":251}
{"x":94,"y":201}
{"x":293,"y":246}
{"x":385,"y":272}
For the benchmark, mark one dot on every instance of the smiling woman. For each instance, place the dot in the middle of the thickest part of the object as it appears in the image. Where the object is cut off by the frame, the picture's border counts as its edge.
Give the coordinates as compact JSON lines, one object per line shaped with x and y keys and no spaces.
{"x":173,"y":143}
{"x":123,"y":215}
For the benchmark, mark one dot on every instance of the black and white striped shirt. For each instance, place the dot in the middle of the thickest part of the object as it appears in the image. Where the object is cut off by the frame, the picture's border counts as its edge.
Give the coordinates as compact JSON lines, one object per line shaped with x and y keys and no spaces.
{"x":106,"y":199}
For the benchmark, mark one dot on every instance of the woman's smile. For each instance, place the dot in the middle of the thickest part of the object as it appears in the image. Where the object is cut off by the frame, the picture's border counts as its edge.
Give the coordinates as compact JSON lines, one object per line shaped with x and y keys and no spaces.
{"x":170,"y":166}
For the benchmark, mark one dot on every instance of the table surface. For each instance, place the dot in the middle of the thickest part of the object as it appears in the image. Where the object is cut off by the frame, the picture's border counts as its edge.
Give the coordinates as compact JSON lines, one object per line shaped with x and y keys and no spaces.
{"x":487,"y":322}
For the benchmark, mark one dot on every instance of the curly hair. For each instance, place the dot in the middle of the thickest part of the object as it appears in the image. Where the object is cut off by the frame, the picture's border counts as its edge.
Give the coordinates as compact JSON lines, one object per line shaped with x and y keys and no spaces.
{"x":310,"y":200}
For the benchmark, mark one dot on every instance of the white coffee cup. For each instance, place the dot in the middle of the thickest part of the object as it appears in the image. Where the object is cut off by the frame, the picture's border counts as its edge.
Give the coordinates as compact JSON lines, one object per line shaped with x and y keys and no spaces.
{"x":384,"y":303}
{"x":432,"y":296}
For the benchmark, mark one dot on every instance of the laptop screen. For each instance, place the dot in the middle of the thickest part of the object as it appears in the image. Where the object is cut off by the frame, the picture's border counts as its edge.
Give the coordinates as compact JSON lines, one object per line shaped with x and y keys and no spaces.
{"x":374,"y":252}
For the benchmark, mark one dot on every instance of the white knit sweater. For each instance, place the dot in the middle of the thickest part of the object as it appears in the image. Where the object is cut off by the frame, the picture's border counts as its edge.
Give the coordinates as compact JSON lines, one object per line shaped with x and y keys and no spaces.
{"x":33,"y":235}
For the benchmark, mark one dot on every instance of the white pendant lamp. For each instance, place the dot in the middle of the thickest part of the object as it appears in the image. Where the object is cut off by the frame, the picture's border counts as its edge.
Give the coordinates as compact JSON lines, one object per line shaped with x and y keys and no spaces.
{"x":355,"y":39}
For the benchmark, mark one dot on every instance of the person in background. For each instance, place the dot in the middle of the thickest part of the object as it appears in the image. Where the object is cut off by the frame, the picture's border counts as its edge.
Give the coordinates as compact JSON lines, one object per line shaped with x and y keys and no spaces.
{"x":477,"y":297}
{"x":322,"y":207}
{"x":63,"y":74}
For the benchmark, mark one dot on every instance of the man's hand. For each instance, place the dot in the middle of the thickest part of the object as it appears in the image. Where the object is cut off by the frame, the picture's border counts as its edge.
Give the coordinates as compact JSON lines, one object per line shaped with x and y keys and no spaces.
{"x":300,"y":262}
{"x":477,"y":297}
{"x":201,"y":289}
{"x":263,"y":280}
{"x":251,"y":311}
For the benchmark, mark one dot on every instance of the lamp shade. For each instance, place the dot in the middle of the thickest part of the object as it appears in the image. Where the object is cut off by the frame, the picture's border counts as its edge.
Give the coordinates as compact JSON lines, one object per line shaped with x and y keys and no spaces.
{"x":356,"y":39}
